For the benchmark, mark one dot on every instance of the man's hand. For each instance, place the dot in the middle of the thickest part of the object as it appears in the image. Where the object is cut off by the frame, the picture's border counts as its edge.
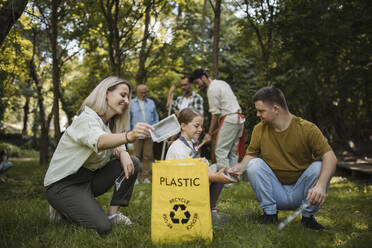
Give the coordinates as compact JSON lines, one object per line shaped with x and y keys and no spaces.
{"x":172,"y":88}
{"x":126,"y":163}
{"x":207,"y":138}
{"x":170,"y":94}
{"x":237,"y":170}
{"x":317,"y":195}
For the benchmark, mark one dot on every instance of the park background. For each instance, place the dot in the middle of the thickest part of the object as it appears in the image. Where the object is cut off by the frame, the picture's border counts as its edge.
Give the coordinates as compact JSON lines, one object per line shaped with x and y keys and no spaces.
{"x":54,"y":52}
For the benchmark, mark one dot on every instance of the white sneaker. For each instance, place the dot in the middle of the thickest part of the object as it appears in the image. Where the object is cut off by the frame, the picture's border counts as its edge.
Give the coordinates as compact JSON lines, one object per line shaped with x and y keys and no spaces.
{"x":228,"y":185}
{"x":120,"y":218}
{"x":54,"y":215}
{"x":146,"y":180}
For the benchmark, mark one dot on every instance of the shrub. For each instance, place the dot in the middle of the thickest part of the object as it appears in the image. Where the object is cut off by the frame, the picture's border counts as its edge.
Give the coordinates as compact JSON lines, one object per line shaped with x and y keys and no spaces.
{"x":11,"y":150}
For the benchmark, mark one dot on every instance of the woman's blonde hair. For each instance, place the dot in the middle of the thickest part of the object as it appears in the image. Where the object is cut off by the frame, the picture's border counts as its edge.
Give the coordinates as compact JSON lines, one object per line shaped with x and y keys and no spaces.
{"x":97,"y":101}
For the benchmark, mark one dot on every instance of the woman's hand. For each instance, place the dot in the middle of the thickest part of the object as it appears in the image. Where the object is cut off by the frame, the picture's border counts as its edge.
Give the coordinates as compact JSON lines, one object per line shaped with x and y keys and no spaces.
{"x":126,"y":163}
{"x":140,"y":130}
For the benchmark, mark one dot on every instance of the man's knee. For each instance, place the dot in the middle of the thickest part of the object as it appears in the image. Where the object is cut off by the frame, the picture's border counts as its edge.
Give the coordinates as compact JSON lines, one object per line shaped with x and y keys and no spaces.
{"x":314,"y":169}
{"x":255,"y":166}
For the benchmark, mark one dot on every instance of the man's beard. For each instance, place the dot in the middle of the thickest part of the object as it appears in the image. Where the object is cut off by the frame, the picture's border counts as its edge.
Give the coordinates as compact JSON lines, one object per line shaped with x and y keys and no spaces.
{"x":204,"y":86}
{"x":186,"y":92}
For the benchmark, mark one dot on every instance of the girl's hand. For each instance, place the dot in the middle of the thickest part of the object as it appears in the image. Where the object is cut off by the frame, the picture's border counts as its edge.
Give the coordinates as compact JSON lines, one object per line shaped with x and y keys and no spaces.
{"x":126,"y":163}
{"x":220,"y":177}
{"x":140,"y":130}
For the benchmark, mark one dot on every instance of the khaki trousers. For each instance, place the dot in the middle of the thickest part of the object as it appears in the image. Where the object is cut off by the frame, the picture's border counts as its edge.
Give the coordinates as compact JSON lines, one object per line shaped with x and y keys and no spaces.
{"x":143,"y":149}
{"x":227,"y":143}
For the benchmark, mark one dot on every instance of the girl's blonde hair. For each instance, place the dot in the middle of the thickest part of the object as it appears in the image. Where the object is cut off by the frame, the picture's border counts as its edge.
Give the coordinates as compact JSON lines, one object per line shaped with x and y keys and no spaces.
{"x":97,"y":101}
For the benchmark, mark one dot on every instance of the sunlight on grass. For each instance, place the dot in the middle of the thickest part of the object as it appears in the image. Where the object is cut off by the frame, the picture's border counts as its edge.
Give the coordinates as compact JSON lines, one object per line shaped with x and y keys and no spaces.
{"x":360,"y":226}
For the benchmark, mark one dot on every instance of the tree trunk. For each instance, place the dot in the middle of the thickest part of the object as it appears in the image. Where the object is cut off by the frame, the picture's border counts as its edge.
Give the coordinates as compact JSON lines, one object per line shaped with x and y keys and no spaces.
{"x":141,"y":73}
{"x":56,"y":68}
{"x":264,"y":38}
{"x":204,"y":32}
{"x":368,"y":102}
{"x":67,"y":109}
{"x":44,"y":123}
{"x":26,"y":111}
{"x":110,"y":11}
{"x":10,"y":11}
{"x":216,"y":38}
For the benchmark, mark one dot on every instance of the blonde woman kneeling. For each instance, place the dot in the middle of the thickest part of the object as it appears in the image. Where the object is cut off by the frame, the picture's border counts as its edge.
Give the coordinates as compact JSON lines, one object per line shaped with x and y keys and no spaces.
{"x":82,"y":167}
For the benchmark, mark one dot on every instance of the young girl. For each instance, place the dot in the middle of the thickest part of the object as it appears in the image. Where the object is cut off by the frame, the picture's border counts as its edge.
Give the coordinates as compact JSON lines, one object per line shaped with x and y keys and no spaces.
{"x":81,"y":167}
{"x":191,"y":123}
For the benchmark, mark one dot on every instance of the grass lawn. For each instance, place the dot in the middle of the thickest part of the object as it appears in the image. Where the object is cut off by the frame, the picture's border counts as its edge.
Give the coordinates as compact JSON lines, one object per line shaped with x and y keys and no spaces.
{"x":24,"y":218}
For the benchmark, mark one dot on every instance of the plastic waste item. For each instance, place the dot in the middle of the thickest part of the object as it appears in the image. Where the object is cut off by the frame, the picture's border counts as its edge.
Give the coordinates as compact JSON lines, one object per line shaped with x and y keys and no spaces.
{"x":165,"y":128}
{"x":119,"y":181}
{"x":219,"y":219}
{"x":292,"y":216}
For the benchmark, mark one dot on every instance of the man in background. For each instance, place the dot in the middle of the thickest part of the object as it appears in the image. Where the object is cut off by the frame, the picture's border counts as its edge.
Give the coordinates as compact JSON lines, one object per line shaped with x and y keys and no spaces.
{"x":143,"y":109}
{"x":188,"y":99}
{"x":227,"y":119}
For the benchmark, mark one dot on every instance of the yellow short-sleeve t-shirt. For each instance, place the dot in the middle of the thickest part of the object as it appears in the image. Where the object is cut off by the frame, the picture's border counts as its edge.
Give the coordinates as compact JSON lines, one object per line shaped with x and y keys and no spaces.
{"x":290,"y":152}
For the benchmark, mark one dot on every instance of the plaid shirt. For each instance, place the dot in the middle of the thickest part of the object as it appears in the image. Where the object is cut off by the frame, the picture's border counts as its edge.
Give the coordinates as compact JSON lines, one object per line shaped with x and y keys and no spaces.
{"x":196,"y":102}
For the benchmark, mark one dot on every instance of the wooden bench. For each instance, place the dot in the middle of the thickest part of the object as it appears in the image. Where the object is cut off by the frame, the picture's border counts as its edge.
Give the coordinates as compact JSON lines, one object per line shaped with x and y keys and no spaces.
{"x":358,"y":170}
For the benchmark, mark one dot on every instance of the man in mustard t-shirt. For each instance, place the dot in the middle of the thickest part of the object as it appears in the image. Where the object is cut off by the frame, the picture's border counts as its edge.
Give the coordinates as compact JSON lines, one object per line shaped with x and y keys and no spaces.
{"x":281,"y":160}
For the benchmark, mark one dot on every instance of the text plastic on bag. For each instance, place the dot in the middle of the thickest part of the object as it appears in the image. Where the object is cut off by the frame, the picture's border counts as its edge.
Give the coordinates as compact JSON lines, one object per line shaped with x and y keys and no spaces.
{"x":180,"y":209}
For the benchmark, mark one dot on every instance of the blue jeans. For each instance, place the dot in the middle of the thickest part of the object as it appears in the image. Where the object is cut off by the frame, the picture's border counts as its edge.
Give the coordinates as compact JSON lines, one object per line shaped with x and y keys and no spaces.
{"x":6,"y":166}
{"x":273,"y":195}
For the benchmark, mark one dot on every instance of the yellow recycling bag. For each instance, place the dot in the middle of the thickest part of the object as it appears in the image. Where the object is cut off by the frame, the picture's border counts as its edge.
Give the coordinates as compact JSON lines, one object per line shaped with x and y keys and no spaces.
{"x":180,"y":208}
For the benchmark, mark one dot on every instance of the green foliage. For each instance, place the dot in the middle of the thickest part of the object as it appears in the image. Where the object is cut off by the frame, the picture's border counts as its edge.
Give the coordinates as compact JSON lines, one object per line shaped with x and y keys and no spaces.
{"x":24,"y":218}
{"x":15,"y":51}
{"x":326,"y":63}
{"x":11,"y":150}
{"x":318,"y":52}
{"x":16,"y":152}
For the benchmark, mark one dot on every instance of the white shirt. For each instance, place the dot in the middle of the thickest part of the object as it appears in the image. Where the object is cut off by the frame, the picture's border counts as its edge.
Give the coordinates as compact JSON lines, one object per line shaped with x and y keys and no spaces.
{"x":178,"y":150}
{"x":222,"y":101}
{"x":184,"y":103}
{"x":142,"y":106}
{"x":78,"y":147}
